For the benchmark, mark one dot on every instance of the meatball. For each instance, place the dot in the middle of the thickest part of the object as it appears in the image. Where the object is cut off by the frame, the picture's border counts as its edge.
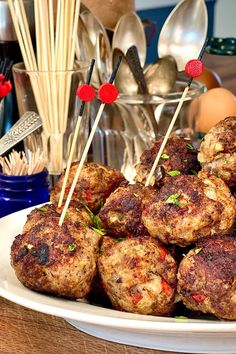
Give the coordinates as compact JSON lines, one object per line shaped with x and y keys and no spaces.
{"x":218,"y":151}
{"x":60,"y":260}
{"x":76,"y":213}
{"x":121,"y":214}
{"x":139,"y":276}
{"x":95,"y":184}
{"x":207,"y":278}
{"x":179,"y":157}
{"x":188,"y":208}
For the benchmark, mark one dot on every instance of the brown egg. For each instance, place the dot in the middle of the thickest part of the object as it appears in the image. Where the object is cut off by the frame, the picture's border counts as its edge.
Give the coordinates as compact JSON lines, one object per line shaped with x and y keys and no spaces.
{"x":210,"y":79}
{"x":213,"y":106}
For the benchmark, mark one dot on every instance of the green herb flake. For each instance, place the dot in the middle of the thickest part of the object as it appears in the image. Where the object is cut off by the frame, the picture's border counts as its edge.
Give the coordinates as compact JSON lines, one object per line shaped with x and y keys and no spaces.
{"x":101,"y":232}
{"x":198,"y":250}
{"x":181,"y":318}
{"x":42,"y":209}
{"x":185,"y":160}
{"x":190,"y":147}
{"x":194,"y":172}
{"x":174,"y":199}
{"x":165,"y":156}
{"x":173,"y":173}
{"x":71,"y":247}
{"x":97,"y":224}
{"x":119,"y":239}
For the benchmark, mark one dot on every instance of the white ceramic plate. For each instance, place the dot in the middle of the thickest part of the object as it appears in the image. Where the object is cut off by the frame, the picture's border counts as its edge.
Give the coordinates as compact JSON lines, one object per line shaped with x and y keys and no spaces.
{"x":189,"y":336}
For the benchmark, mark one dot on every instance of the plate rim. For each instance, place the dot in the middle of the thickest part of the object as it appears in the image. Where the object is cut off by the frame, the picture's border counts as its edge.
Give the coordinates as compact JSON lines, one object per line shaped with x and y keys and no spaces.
{"x":108,"y":317}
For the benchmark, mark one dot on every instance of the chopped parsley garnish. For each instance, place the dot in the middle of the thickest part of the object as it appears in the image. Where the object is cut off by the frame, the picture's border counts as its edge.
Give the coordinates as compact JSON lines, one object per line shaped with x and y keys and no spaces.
{"x":101,"y":232}
{"x":174,"y":199}
{"x":198,"y":250}
{"x":173,"y":173}
{"x":119,"y":239}
{"x":165,"y":156}
{"x":194,"y":172}
{"x":190,"y":147}
{"x":97,"y":225}
{"x":42,"y":209}
{"x":71,"y":247}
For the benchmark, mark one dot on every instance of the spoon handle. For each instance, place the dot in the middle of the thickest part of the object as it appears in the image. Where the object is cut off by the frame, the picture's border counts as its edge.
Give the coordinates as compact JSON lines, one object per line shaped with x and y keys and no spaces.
{"x":26,"y":125}
{"x":133,"y":61}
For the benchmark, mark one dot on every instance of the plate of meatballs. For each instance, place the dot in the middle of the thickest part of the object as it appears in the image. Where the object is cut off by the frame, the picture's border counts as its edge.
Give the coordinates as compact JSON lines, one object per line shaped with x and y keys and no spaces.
{"x":149,"y":266}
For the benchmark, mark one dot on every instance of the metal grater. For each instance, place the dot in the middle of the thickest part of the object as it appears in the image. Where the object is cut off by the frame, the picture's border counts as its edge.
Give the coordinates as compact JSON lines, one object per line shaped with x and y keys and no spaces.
{"x":26,"y":125}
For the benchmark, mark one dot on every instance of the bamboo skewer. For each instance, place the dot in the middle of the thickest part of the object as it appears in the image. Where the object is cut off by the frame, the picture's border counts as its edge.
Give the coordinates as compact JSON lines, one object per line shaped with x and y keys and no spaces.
{"x":87,"y":146}
{"x":175,"y":116}
{"x":75,"y":138}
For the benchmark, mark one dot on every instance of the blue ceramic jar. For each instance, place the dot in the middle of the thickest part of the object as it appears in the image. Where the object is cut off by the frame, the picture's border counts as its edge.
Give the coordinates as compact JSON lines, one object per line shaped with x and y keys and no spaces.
{"x":20,"y":192}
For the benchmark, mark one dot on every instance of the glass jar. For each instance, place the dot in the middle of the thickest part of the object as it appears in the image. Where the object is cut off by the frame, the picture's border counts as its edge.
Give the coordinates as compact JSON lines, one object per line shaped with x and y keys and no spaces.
{"x":53,"y":94}
{"x":130,"y":125}
{"x":20,"y":192}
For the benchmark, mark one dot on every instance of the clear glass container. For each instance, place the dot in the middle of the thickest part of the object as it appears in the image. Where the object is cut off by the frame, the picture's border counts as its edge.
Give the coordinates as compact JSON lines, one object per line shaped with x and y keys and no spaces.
{"x":52,"y":94}
{"x":20,"y":192}
{"x":129,"y":126}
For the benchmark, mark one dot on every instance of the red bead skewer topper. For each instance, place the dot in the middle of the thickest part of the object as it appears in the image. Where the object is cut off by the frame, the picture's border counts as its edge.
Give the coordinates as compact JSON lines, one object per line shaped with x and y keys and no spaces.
{"x":5,"y":88}
{"x":108,"y":93}
{"x":194,"y":68}
{"x":86,"y":92}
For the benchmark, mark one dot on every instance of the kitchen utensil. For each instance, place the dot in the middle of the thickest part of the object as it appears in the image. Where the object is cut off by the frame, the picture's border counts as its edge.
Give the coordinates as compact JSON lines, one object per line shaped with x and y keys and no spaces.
{"x":161,"y":76}
{"x":125,"y":80}
{"x":184,"y":32}
{"x":26,"y":125}
{"x":100,"y":41}
{"x":129,"y":31}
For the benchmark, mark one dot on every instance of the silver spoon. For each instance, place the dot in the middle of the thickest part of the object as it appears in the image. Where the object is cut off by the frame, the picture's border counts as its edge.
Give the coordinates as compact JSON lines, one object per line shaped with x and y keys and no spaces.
{"x":184,"y":32}
{"x":161,"y":76}
{"x":124,"y":80}
{"x":129,"y":31}
{"x":100,"y":41}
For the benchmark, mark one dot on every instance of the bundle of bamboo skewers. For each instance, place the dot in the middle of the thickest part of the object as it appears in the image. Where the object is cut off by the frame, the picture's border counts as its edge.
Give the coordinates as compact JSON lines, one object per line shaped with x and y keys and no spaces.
{"x":21,"y":164}
{"x":51,"y":68}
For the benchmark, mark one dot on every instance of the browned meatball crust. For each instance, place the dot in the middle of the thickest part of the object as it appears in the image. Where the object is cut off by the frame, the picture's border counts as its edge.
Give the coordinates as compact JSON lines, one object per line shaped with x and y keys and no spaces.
{"x":207,"y":278}
{"x":121,"y":214}
{"x":179,"y":157}
{"x":53,"y":259}
{"x":218,"y":151}
{"x":95,"y":184}
{"x":76,"y":213}
{"x":139,"y":276}
{"x":188,"y":208}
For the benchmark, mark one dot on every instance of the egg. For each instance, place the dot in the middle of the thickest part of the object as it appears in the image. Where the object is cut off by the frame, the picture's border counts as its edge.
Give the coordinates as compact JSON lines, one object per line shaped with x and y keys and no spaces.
{"x":211,"y":107}
{"x":209,"y":78}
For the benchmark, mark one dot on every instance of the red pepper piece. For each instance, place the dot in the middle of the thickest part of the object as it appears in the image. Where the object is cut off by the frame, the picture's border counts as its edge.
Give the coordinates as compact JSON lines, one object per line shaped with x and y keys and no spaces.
{"x":198,"y":297}
{"x":136,"y":298}
{"x":165,"y":286}
{"x":163,"y":254}
{"x":194,"y":68}
{"x":107,"y":93}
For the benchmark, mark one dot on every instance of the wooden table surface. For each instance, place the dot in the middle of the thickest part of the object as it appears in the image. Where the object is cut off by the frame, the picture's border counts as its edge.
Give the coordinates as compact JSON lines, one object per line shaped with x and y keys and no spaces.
{"x":23,"y":331}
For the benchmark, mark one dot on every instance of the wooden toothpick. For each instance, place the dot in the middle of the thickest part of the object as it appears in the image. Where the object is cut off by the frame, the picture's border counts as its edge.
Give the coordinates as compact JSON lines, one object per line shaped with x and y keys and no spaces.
{"x":72,"y":150}
{"x":87,"y":146}
{"x":169,"y":130}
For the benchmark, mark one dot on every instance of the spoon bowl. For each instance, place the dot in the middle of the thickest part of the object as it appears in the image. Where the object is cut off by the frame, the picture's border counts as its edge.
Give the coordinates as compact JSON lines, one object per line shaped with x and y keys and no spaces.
{"x":184,"y":32}
{"x":128,"y":32}
{"x":161,"y":76}
{"x":100,"y":41}
{"x":124,"y":80}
